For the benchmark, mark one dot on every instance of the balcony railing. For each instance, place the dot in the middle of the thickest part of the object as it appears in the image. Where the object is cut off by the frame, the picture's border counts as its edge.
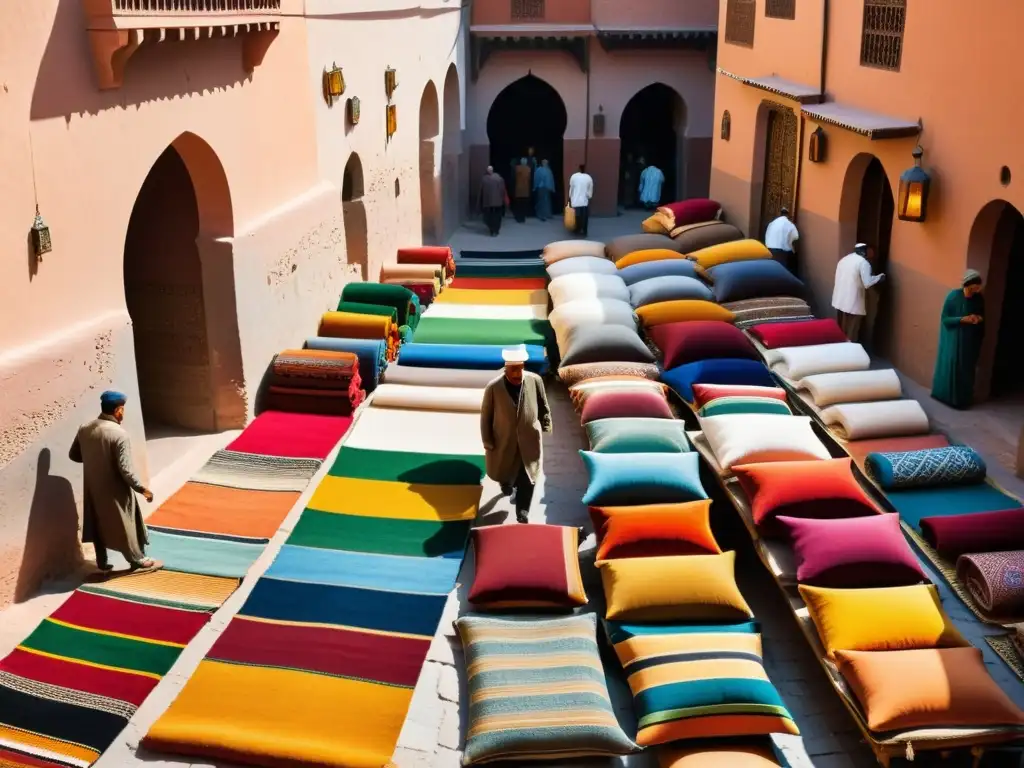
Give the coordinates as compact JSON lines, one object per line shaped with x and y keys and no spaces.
{"x":194,"y":7}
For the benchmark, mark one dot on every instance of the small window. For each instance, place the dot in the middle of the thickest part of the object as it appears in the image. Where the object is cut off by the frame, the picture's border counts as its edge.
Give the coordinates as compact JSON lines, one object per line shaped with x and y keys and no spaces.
{"x":527,"y":10}
{"x":881,"y":44}
{"x":739,"y":22}
{"x":780,"y":9}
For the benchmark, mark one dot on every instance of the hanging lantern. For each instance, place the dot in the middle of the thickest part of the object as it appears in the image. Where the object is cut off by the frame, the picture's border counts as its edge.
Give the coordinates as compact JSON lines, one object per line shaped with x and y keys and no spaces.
{"x":390,"y":82}
{"x":334,"y":84}
{"x":41,"y":243}
{"x":817,"y":146}
{"x":392,"y":120}
{"x":912,"y":204}
{"x":353,"y":110}
{"x":726,"y":125}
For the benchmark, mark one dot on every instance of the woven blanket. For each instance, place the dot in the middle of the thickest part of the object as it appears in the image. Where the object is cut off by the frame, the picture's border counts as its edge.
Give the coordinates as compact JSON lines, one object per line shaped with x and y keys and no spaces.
{"x":777,"y":308}
{"x":294,"y":435}
{"x":252,"y":471}
{"x":314,"y":367}
{"x":995,"y":581}
{"x":929,"y":468}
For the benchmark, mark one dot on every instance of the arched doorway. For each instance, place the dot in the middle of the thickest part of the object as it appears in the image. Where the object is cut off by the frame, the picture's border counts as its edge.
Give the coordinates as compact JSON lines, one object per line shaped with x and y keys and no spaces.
{"x":866,"y":214}
{"x":651,"y":132}
{"x":430,"y":127}
{"x":773,"y":175}
{"x":527,"y":114}
{"x":357,"y":248}
{"x":180,"y":295}
{"x":996,"y":249}
{"x":451,"y":150}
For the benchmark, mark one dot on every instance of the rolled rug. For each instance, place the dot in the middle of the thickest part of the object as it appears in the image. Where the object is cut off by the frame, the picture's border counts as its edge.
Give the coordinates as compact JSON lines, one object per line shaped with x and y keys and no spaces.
{"x":439,"y":377}
{"x":481,"y":357}
{"x":421,"y":272}
{"x":372,"y":354}
{"x":348,"y":325}
{"x":995,"y":581}
{"x":447,"y":330}
{"x":888,"y":418}
{"x":954,"y":535}
{"x":926,"y":468}
{"x":425,"y":288}
{"x":459,"y":399}
{"x":397,"y":296}
{"x":796,"y":363}
{"x":314,"y":381}
{"x":429,"y":254}
{"x":359,"y":308}
{"x":853,"y":387}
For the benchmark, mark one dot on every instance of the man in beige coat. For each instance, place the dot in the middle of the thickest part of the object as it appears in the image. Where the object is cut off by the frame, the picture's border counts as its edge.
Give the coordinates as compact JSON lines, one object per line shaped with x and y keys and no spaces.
{"x":514,"y":414}
{"x":112,"y":518}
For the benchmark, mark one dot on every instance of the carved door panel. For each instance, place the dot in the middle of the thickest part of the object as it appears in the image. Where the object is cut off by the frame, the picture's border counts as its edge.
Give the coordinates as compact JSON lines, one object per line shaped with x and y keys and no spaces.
{"x":779,"y":164}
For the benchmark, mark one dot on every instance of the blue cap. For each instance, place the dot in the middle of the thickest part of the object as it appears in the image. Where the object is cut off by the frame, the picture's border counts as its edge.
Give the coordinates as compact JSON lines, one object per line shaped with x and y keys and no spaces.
{"x":110,"y":400}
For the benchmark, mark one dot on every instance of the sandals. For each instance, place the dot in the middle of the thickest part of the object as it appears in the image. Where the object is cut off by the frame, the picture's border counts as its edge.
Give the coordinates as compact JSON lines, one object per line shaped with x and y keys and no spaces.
{"x":146,"y":566}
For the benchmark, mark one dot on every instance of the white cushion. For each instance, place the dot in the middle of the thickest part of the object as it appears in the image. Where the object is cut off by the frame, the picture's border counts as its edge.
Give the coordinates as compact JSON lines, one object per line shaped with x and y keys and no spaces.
{"x":794,"y":363}
{"x":586,"y":286}
{"x":582,"y":264}
{"x":568,"y":249}
{"x":566,"y":318}
{"x":751,"y":438}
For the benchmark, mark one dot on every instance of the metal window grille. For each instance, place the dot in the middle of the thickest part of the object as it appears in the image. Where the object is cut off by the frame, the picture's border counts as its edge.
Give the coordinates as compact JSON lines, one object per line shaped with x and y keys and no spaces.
{"x":739,"y":22}
{"x":195,"y":6}
{"x":882,"y":35}
{"x":780,"y":9}
{"x":528,"y":9}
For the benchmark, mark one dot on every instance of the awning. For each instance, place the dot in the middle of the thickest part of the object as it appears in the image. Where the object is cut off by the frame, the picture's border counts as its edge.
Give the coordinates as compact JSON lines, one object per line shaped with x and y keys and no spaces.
{"x":798,"y":92}
{"x":870,"y":124}
{"x":646,"y":37}
{"x":532,"y":30}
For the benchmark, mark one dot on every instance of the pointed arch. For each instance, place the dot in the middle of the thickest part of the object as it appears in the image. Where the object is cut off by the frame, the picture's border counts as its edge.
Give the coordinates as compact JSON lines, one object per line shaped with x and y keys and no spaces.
{"x":652,"y":130}
{"x":353,"y":213}
{"x":430,"y":128}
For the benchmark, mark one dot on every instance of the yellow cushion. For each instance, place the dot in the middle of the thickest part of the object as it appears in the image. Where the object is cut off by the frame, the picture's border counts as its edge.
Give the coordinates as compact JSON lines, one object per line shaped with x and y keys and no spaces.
{"x":681,"y":588}
{"x":724,"y":253}
{"x":682,"y":310}
{"x":655,"y":225}
{"x":884,"y":619}
{"x":651,"y":254}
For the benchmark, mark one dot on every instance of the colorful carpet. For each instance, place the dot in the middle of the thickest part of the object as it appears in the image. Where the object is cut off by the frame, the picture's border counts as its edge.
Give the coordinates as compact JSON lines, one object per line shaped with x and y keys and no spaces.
{"x":70,"y":687}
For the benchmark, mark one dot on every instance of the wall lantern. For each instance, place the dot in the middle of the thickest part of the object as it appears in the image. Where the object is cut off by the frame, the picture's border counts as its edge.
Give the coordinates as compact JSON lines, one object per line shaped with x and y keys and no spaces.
{"x":390,"y":82}
{"x":392,"y":120}
{"x":353,"y":110}
{"x":912,"y":204}
{"x":41,"y":243}
{"x":726,"y":125}
{"x":599,"y":124}
{"x":334,"y":84}
{"x":817,"y":145}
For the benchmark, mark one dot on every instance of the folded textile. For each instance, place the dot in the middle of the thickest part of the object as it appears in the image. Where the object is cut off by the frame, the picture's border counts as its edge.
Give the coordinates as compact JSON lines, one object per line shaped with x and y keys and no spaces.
{"x":886,"y":418}
{"x":314,"y":381}
{"x":348,"y":325}
{"x":794,"y":363}
{"x":482,"y":330}
{"x":928,"y":468}
{"x":372,"y":354}
{"x":771,"y":309}
{"x":251,"y":471}
{"x":428,"y":398}
{"x":437,"y":254}
{"x":853,"y":387}
{"x":295,"y":435}
{"x":501,"y":268}
{"x":799,"y":333}
{"x":528,"y":253}
{"x":995,"y":581}
{"x":397,"y":296}
{"x":465,"y":312}
{"x":953,"y":535}
{"x":500,"y":283}
{"x":500,"y":297}
{"x":477,"y":357}
{"x":439,"y":377}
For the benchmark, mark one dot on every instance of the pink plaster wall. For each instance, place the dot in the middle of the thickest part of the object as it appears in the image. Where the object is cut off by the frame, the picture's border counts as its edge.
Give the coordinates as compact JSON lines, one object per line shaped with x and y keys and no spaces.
{"x":654,"y":14}
{"x":555,"y":12}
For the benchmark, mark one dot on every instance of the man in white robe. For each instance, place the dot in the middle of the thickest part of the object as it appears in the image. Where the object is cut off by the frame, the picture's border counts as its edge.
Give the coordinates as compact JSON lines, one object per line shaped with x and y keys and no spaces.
{"x":853,"y":278}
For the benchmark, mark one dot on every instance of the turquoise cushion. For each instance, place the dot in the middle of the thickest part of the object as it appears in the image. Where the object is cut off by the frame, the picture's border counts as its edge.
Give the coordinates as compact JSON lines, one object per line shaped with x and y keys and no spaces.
{"x":724,"y":406}
{"x":637,"y":436}
{"x":642,"y":478}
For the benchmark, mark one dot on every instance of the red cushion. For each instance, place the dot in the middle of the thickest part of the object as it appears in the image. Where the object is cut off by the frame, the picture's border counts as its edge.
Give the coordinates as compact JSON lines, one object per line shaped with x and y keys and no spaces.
{"x":655,"y":530}
{"x":817,"y":489}
{"x":527,"y":566}
{"x":625,"y":404}
{"x":693,"y":211}
{"x":802,"y":333}
{"x":705,"y":393}
{"x":696,"y":340}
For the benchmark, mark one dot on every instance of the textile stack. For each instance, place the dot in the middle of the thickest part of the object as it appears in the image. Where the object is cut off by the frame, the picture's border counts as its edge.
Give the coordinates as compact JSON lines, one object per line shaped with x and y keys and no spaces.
{"x":862,"y":597}
{"x":350,"y":325}
{"x":437,"y":256}
{"x":314,"y":381}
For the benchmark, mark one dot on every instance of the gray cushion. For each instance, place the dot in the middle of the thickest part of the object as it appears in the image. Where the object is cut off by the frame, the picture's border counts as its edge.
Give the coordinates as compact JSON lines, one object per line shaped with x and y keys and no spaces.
{"x":621,"y":246}
{"x":668,"y":288}
{"x":757,"y":279}
{"x":606,"y":343}
{"x":637,"y":272}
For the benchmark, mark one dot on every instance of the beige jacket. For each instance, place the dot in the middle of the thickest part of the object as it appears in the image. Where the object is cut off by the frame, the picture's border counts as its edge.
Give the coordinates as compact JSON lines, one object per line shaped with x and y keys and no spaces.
{"x":511,"y":432}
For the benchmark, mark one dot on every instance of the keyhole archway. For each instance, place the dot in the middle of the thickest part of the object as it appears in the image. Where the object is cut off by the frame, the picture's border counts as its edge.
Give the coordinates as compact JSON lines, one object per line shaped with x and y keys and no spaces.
{"x":430,"y":128}
{"x":651,"y":132}
{"x":353,"y":211}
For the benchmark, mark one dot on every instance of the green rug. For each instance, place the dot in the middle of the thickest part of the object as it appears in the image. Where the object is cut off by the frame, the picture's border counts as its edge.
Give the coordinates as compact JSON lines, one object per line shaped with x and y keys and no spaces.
{"x":408,"y":467}
{"x":451,"y":330}
{"x":379,"y":535}
{"x":499,"y":269}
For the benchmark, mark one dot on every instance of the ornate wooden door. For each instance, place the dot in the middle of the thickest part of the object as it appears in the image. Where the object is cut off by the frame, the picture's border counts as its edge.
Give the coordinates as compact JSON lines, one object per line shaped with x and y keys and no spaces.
{"x":780,"y":155}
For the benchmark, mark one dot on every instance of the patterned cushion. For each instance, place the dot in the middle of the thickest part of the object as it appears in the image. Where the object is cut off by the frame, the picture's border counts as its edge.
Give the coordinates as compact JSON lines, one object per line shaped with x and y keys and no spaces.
{"x":626,"y":435}
{"x":705,"y":393}
{"x":574,"y":374}
{"x":928,"y":468}
{"x":773,"y":309}
{"x":723,"y":406}
{"x":698,"y":681}
{"x":537,"y":691}
{"x":642,"y":478}
{"x":527,"y":566}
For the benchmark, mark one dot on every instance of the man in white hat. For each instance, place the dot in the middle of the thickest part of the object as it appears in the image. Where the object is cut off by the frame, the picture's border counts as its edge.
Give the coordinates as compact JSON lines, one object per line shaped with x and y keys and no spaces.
{"x":513,"y":417}
{"x":853,"y":278}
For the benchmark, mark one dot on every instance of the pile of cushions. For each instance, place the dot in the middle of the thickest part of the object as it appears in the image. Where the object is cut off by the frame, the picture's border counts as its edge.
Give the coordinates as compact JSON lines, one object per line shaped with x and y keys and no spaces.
{"x":668,"y":218}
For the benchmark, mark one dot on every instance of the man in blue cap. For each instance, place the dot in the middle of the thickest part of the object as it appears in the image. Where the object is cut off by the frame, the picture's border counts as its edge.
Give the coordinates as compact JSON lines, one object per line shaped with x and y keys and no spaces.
{"x":112,"y":518}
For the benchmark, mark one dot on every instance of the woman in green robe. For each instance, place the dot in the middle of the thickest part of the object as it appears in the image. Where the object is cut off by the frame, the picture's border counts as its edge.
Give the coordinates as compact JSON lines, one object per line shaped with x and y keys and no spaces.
{"x":960,"y":338}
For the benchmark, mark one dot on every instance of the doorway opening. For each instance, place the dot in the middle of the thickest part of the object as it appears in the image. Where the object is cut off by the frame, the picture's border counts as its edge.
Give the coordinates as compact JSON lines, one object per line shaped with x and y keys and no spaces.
{"x":430,"y":128}
{"x":451,"y":152}
{"x":353,"y":212}
{"x":651,"y":132}
{"x":1008,"y":366}
{"x":874,"y":227}
{"x":774,"y":162}
{"x":527,"y":114}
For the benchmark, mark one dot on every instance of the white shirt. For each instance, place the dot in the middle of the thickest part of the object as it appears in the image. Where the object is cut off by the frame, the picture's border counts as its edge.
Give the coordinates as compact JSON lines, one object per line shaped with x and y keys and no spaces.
{"x":581,"y":189}
{"x":853,"y":277}
{"x":781,"y":234}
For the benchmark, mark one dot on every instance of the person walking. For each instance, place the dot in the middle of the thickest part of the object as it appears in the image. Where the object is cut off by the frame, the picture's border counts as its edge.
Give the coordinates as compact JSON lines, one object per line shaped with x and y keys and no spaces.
{"x":960,"y":337}
{"x":651,"y":181}
{"x":581,"y":189}
{"x":543,"y":190}
{"x":781,"y":239}
{"x":112,"y":518}
{"x":513,"y":416}
{"x":523,"y":191}
{"x":853,"y":278}
{"x":492,"y":200}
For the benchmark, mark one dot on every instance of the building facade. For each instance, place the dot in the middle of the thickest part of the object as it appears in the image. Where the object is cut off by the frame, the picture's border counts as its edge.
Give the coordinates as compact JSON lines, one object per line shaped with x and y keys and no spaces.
{"x":819,"y":105}
{"x":209,"y":181}
{"x":605,"y":82}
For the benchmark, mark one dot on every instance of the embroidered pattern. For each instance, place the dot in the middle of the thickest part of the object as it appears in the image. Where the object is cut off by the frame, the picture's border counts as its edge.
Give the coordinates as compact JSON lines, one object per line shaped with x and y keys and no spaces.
{"x":931,"y":467}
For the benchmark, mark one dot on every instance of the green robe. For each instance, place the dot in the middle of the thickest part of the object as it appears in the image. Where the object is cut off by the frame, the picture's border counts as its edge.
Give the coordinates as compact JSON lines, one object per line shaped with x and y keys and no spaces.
{"x":959,"y":348}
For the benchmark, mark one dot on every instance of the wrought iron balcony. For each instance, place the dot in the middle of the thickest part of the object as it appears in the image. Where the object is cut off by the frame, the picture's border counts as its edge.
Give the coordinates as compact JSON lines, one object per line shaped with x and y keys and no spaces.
{"x":117,"y":28}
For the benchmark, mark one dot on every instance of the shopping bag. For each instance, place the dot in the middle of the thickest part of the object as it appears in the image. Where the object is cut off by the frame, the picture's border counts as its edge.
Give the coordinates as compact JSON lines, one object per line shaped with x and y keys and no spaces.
{"x":570,"y":218}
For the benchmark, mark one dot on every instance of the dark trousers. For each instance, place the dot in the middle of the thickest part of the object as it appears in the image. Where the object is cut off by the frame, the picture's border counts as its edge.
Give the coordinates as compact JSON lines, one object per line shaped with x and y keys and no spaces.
{"x":520,"y":208}
{"x":582,"y":220}
{"x":523,"y":489}
{"x":492,"y":218}
{"x":785,"y":258}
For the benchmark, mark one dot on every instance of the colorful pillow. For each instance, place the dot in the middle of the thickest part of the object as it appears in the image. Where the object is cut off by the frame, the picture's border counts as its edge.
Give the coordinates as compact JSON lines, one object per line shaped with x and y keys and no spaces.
{"x":680,"y":311}
{"x":855,"y":552}
{"x":729,"y":253}
{"x":570,"y":249}
{"x":953,"y":535}
{"x":705,"y":393}
{"x":626,"y":244}
{"x":656,"y":224}
{"x":719,"y":756}
{"x":691,"y":211}
{"x":642,"y":478}
{"x":754,"y":280}
{"x":574,"y":374}
{"x":745,"y":372}
{"x":817,"y":489}
{"x":579,"y":393}
{"x":594,"y":265}
{"x":675,"y":529}
{"x":527,"y":566}
{"x":937,"y":688}
{"x":528,"y":696}
{"x":668,"y":288}
{"x":926,"y":468}
{"x":625,"y":435}
{"x":802,"y":333}
{"x":625,"y":405}
{"x":688,"y":588}
{"x":698,"y":340}
{"x":587,"y":286}
{"x":602,"y":343}
{"x":599,"y":516}
{"x":648,"y":255}
{"x":668,"y":268}
{"x":880,"y":619}
{"x":750,"y":312}
{"x":694,"y":237}
{"x":760,"y":438}
{"x":694,"y":682}
{"x":725,"y":406}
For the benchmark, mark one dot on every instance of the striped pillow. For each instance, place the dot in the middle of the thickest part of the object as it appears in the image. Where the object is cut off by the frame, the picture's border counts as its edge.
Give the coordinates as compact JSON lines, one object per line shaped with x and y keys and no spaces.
{"x":537,"y":690}
{"x":722,"y":406}
{"x":698,"y":681}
